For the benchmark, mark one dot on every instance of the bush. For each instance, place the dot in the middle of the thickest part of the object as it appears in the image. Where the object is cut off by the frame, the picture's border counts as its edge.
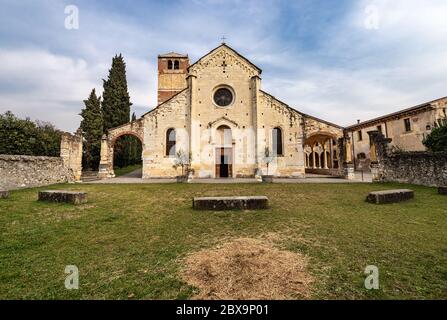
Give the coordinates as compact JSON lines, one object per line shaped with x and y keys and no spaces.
{"x":437,"y":139}
{"x":25,"y":137}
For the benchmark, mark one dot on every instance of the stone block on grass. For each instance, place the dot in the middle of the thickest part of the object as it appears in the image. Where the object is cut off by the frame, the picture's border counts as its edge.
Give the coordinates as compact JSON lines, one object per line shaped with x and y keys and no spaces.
{"x":390,"y":196}
{"x":63,"y":196}
{"x":230,"y":203}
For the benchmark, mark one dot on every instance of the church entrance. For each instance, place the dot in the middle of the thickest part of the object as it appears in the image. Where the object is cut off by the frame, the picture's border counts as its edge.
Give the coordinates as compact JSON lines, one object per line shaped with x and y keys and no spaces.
{"x":224,"y":152}
{"x":224,"y":162}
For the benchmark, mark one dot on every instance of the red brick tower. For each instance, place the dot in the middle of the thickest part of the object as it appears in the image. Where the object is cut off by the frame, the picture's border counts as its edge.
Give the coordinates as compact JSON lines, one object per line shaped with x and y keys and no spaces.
{"x":172,"y":70}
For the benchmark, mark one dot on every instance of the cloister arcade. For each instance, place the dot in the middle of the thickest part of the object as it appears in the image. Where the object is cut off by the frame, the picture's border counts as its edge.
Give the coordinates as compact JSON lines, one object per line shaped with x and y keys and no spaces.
{"x":321,"y":154}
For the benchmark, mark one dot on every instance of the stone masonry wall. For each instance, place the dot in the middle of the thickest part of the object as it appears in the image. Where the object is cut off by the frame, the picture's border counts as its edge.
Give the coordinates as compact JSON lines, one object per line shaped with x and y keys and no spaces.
{"x":422,"y":168}
{"x":418,"y":167}
{"x":17,"y":171}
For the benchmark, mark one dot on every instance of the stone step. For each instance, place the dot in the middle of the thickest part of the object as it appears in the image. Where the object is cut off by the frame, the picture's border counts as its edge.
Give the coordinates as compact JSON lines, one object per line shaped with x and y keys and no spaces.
{"x":442,"y":190}
{"x":73,"y":197}
{"x":88,"y":176}
{"x":390,"y":196}
{"x":88,"y":179}
{"x":230,"y":203}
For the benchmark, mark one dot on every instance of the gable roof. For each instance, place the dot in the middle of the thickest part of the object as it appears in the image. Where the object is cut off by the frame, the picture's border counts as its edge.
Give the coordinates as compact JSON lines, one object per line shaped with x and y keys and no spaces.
{"x":164,"y":102}
{"x":232,"y":50}
{"x":301,"y":113}
{"x":408,"y":111}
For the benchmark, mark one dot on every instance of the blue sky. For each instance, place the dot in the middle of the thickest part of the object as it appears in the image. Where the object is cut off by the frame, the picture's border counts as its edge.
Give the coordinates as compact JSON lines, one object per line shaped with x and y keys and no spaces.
{"x":339,"y":60}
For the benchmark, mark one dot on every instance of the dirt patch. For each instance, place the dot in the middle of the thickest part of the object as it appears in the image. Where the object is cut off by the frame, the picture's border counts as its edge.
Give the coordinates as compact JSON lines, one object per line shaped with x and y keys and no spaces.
{"x":250,"y":269}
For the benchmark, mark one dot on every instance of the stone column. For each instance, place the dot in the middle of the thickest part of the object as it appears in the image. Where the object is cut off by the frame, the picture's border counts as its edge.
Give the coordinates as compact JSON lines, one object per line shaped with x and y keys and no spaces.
{"x":71,"y":153}
{"x":105,"y":164}
{"x":194,"y":125}
{"x":378,"y":150}
{"x":325,"y":157}
{"x":259,"y":147}
{"x":346,"y":153}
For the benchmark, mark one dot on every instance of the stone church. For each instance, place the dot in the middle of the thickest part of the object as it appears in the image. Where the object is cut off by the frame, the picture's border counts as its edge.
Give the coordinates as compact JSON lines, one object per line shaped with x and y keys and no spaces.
{"x":215,"y":113}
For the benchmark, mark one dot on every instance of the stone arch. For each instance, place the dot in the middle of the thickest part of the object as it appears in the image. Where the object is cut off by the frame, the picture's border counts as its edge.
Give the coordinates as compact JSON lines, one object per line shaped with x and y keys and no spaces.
{"x":224,"y":136}
{"x":134,"y":128}
{"x":126,"y":133}
{"x":213,"y":127}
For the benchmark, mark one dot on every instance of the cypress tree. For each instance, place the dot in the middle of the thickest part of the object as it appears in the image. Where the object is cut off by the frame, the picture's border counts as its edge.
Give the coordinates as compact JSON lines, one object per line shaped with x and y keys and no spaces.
{"x":116,"y":100}
{"x":135,"y":147}
{"x":92,"y":127}
{"x":116,"y":105}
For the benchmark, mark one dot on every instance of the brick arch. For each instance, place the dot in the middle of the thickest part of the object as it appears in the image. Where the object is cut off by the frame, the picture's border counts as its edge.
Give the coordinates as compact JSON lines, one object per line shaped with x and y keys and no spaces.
{"x":134,"y":128}
{"x":125,"y":133}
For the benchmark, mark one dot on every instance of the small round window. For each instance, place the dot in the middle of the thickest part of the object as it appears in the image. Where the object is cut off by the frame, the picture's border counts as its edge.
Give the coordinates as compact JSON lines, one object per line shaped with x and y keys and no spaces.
{"x":223,"y":97}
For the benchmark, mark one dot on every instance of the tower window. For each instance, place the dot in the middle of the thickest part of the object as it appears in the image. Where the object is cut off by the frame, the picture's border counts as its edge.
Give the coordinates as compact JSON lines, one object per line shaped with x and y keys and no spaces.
{"x":176,"y":65}
{"x":170,"y":65}
{"x":359,"y":133}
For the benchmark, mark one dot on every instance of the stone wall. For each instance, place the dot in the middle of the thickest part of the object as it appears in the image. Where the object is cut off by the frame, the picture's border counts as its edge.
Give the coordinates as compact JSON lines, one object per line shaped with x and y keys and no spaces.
{"x":17,"y":171}
{"x":423,"y":168}
{"x":419,"y":167}
{"x":71,"y":153}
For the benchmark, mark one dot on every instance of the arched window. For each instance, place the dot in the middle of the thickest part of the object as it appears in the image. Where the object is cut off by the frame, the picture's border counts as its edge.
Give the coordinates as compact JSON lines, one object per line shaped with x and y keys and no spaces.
{"x":176,"y":65}
{"x":170,"y":143}
{"x":277,"y":142}
{"x":169,"y":64}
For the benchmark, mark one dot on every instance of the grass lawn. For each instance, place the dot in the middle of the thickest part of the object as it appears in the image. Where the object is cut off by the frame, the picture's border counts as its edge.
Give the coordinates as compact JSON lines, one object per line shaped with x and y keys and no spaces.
{"x":126,"y":170}
{"x":128,"y":240}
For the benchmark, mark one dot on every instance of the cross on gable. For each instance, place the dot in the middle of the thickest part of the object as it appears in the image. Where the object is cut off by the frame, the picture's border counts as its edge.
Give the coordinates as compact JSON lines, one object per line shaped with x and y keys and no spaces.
{"x":224,"y":65}
{"x":223,"y":39}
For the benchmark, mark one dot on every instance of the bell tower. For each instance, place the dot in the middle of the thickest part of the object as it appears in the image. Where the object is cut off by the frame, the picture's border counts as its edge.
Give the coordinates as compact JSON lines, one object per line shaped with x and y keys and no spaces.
{"x":172,"y":70}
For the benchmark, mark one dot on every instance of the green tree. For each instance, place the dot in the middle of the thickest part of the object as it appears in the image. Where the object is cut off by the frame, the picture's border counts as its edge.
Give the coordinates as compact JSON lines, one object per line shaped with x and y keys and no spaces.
{"x":116,"y":100}
{"x":135,"y":147}
{"x":437,"y":139}
{"x":116,"y":107}
{"x":92,"y":129}
{"x":25,"y":137}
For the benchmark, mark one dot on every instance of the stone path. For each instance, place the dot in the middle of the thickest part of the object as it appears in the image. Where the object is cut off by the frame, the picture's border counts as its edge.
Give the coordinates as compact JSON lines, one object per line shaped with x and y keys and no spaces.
{"x":135,"y":177}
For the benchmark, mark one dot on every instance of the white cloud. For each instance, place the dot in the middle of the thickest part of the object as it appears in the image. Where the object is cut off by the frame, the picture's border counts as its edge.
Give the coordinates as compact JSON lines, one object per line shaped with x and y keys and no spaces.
{"x":45,"y":86}
{"x":350,"y":72}
{"x":374,"y":72}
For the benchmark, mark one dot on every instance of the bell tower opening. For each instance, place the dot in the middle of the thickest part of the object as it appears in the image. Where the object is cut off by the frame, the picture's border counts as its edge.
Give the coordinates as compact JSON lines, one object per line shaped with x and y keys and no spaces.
{"x":172,"y":71}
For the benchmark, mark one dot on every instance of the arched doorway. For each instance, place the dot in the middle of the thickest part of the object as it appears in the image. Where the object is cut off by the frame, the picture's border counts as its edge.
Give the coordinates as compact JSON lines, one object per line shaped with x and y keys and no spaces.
{"x":224,"y":152}
{"x":126,"y":153}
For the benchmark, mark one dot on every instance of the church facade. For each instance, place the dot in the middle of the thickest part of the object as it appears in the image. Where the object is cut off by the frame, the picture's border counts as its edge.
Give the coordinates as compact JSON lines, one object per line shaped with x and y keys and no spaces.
{"x":215,"y":114}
